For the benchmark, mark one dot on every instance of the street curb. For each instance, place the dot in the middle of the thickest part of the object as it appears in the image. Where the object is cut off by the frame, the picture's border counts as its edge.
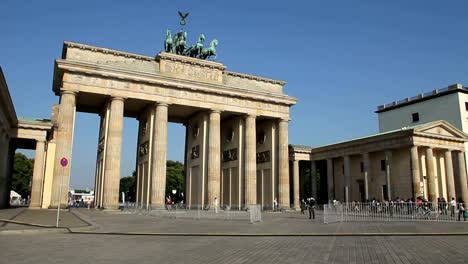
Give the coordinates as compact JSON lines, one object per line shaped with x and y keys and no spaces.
{"x":48,"y":230}
{"x":91,"y":224}
{"x":270,"y":234}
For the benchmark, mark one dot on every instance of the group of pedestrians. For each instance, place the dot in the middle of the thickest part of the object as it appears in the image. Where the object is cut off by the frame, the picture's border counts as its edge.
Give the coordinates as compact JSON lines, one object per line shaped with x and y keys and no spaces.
{"x":309,"y":204}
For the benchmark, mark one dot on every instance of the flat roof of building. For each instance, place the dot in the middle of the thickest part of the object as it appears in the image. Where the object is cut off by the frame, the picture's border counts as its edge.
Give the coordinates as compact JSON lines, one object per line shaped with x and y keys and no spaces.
{"x":454,"y":88}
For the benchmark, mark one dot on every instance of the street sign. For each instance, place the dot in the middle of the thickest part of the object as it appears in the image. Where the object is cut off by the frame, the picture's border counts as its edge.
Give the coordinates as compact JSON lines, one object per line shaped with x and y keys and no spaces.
{"x":64,"y":162}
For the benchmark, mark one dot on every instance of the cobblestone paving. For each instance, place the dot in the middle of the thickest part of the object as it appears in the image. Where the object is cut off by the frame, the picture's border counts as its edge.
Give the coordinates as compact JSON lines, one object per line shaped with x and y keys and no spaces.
{"x":73,"y":248}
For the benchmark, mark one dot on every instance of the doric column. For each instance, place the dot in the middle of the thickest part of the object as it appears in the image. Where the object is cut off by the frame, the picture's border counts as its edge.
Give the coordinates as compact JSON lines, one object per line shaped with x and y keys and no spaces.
{"x":283,"y":157}
{"x":214,"y":161}
{"x":449,"y":175}
{"x":416,"y":176}
{"x":366,"y":165}
{"x":38,"y":175}
{"x":330,"y":183}
{"x":347,"y":176}
{"x":159,"y":157}
{"x":64,"y":143}
{"x":250,"y":161}
{"x":431,"y":184}
{"x":462,"y":175}
{"x":388,"y":161}
{"x":313,"y":179}
{"x":113,"y":154}
{"x":297,"y":203}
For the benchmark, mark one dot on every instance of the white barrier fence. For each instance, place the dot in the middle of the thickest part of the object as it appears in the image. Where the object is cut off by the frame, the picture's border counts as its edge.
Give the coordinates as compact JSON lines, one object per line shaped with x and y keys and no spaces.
{"x":252,"y":213}
{"x":391,"y":212}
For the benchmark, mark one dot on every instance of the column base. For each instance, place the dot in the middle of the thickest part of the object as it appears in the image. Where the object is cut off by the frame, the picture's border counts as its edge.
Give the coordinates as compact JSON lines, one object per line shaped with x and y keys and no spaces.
{"x":35,"y":207}
{"x":62,"y":206}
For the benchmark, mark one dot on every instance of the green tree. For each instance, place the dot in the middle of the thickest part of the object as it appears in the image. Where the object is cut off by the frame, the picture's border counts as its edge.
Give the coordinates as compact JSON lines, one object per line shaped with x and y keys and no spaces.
{"x":175,"y":179}
{"x":22,"y":174}
{"x":128,"y":186}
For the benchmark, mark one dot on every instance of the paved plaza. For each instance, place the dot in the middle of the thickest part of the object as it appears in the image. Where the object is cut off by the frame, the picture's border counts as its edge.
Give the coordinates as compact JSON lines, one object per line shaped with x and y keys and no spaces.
{"x":116,"y":237}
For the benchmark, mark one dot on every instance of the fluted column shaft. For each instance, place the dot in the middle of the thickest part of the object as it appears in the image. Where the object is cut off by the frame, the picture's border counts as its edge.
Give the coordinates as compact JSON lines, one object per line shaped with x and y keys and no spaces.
{"x":214,"y":161}
{"x":431,"y":184}
{"x":113,"y":154}
{"x":297,"y":203}
{"x":388,"y":171}
{"x":347,"y":176}
{"x":159,"y":158}
{"x":462,"y":175}
{"x":330,"y":183}
{"x":416,"y":176}
{"x":250,"y":160}
{"x":283,"y":163}
{"x":366,"y":165}
{"x":449,"y":175}
{"x":313,"y":179}
{"x":64,"y":143}
{"x":38,"y":175}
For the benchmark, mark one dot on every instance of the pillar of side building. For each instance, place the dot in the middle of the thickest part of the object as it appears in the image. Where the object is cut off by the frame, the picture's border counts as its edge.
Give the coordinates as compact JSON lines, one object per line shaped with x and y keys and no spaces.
{"x":250,"y":161}
{"x":113,"y":154}
{"x":283,"y":160}
{"x":416,"y":177}
{"x":431,"y":183}
{"x":330,"y":183}
{"x":388,"y":171}
{"x":313,"y":179}
{"x":462,"y":175}
{"x":449,"y":175}
{"x":159,"y":157}
{"x":63,"y":149}
{"x":214,"y":160}
{"x":38,"y":175}
{"x":366,"y":165}
{"x":297,"y":203}
{"x":348,"y":181}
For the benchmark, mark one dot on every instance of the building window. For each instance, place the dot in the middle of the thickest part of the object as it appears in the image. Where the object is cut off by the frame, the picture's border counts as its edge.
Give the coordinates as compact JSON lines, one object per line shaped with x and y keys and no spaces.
{"x":415,"y":117}
{"x":383,"y":165}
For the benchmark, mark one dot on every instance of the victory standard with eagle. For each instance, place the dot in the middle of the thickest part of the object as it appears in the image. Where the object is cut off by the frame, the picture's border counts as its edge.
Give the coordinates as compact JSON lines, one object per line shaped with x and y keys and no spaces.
{"x":177,"y":44}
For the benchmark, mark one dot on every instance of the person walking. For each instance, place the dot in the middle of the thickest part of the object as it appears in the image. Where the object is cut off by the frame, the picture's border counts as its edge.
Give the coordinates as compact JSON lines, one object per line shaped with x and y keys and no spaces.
{"x":275,"y":205}
{"x":216,"y":204}
{"x":453,"y":205}
{"x":311,"y":206}
{"x":461,"y":209}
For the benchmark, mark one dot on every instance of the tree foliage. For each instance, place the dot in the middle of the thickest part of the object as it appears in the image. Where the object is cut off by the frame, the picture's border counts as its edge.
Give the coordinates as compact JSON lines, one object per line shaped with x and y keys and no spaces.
{"x":22,"y":174}
{"x":175,"y":180}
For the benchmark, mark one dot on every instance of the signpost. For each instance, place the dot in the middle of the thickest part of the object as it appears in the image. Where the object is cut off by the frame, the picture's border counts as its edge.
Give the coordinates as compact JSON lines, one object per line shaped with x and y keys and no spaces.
{"x":64,"y":164}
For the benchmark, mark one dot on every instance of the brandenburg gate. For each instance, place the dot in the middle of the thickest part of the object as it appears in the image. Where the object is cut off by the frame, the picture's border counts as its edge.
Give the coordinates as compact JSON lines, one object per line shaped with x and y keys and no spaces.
{"x":236,"y":143}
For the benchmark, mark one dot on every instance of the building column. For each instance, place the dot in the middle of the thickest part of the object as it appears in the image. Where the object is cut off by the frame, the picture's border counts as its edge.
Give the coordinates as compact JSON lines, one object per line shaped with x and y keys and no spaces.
{"x":347,"y":176}
{"x":313,"y":179}
{"x":214,"y":160}
{"x":366,"y":165}
{"x":159,"y":157}
{"x":63,"y":149}
{"x":297,"y":203}
{"x":250,"y":161}
{"x":330,"y":183}
{"x":431,"y":184}
{"x":113,"y":154}
{"x":283,"y":163}
{"x":415,"y":172}
{"x":449,"y":175}
{"x":462,"y":175}
{"x":38,"y":175}
{"x":388,"y":161}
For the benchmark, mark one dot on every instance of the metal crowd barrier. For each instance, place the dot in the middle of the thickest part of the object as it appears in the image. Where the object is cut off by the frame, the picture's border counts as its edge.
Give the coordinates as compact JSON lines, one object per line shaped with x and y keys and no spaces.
{"x":390,"y":212}
{"x":251,"y":213}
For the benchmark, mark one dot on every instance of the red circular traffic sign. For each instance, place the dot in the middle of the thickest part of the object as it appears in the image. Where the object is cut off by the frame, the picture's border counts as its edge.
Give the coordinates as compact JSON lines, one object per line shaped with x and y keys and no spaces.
{"x":64,"y":162}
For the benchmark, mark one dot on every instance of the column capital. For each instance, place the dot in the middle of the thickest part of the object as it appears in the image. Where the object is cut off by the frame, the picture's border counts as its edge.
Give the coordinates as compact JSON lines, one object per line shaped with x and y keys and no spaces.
{"x":284,"y":120}
{"x":71,"y":92}
{"x":215,"y":111}
{"x":118,"y":98}
{"x":161,"y":104}
{"x":250,"y":115}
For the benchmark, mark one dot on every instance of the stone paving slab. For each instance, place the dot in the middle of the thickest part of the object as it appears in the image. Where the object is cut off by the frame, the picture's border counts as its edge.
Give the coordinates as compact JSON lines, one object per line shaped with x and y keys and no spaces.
{"x":73,"y":248}
{"x":41,"y":217}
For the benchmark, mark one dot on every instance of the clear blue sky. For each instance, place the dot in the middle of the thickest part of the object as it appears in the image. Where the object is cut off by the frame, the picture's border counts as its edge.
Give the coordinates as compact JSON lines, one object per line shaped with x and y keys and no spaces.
{"x":339,"y":58}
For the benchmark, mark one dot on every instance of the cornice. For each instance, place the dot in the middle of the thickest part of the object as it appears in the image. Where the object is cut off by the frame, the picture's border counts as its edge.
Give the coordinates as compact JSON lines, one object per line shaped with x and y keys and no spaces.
{"x":190,"y":60}
{"x":441,"y":137}
{"x":253,"y":77}
{"x":69,"y":44}
{"x":90,"y":68}
{"x":6,"y":102}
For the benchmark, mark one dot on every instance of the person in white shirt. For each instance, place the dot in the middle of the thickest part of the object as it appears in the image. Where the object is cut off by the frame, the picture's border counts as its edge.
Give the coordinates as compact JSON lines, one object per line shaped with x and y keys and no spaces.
{"x":453,"y":205}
